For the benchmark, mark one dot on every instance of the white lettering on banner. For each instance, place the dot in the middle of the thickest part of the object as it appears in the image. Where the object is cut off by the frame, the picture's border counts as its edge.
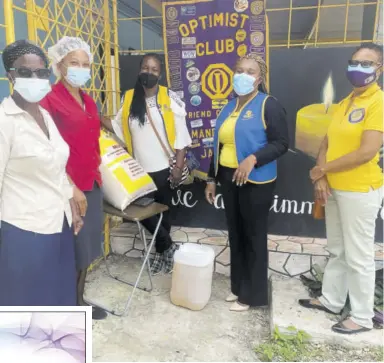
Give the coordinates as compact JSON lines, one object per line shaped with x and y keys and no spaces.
{"x":291,"y":206}
{"x":279,"y":206}
{"x":219,"y":202}
{"x":186,"y":199}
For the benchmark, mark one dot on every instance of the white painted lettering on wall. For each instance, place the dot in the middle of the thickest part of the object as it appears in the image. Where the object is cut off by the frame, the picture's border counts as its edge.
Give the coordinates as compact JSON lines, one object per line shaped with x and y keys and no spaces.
{"x":188,"y":200}
{"x":185,"y":199}
{"x":290,"y":206}
{"x":219,"y":202}
{"x":279,"y":206}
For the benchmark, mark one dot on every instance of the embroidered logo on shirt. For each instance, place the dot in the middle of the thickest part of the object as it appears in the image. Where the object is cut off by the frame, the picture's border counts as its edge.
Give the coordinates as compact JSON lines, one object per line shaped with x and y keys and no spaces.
{"x":356,"y":115}
{"x":248,"y":115}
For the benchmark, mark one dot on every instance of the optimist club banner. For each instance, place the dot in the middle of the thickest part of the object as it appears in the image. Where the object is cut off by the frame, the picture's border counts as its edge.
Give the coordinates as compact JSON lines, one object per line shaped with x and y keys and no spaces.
{"x":203,"y":39}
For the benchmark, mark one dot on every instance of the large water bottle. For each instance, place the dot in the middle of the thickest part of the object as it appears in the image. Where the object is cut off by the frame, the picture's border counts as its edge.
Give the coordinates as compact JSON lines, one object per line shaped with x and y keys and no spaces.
{"x":192,"y":276}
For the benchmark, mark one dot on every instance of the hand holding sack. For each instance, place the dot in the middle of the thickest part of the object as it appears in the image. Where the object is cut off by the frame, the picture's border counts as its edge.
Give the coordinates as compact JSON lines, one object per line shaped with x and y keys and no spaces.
{"x":124,"y":180}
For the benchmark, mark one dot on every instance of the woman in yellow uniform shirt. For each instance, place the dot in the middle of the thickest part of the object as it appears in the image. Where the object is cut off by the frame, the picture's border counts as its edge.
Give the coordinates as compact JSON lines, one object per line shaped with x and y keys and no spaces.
{"x":348,"y":180}
{"x":251,"y":133}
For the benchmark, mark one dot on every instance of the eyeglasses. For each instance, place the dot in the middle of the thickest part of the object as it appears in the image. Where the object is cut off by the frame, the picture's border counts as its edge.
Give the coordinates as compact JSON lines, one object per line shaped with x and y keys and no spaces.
{"x":24,"y":72}
{"x":364,"y":64}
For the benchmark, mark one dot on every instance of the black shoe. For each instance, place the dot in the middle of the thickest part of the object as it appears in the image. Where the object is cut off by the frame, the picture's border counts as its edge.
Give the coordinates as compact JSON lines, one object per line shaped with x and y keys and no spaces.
{"x":98,"y":313}
{"x":306,"y":303}
{"x":342,"y":329}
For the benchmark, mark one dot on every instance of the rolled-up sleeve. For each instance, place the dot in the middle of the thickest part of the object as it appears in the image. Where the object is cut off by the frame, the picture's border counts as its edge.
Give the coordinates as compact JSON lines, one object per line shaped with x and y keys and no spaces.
{"x":277,"y":133}
{"x":183,"y":138}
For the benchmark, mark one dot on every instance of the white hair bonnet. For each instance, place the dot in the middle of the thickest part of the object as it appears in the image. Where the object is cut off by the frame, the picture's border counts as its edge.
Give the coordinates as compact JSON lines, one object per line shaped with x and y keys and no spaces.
{"x":65,"y":46}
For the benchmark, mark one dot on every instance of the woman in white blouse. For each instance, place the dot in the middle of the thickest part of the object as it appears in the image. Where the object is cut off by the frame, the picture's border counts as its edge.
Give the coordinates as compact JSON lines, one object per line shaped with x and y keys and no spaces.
{"x":37,"y":262}
{"x":133,"y":126}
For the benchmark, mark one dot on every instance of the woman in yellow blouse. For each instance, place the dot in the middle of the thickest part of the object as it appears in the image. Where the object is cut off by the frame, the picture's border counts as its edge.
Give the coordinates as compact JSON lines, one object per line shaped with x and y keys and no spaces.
{"x":251,"y":133}
{"x":348,"y":180}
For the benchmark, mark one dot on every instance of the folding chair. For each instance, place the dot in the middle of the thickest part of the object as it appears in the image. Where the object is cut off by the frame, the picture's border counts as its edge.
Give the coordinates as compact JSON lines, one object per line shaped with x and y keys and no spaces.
{"x":135,"y":214}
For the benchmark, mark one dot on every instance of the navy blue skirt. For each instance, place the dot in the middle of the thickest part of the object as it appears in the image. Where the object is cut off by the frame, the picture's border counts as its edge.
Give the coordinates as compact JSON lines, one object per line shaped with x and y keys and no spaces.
{"x":89,"y":241}
{"x":37,"y":269}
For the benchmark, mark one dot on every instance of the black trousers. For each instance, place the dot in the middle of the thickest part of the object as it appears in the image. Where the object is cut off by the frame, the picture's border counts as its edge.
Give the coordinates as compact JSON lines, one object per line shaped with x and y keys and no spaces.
{"x":163,"y":195}
{"x":247,"y":208}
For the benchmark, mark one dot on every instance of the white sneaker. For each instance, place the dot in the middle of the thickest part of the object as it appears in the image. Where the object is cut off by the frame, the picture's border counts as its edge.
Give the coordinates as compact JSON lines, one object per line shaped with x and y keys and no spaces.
{"x":231,"y":298}
{"x":239,"y":307}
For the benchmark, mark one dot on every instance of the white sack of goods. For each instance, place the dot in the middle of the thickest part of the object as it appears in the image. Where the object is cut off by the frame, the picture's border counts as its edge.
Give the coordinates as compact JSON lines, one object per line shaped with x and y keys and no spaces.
{"x":124,"y":180}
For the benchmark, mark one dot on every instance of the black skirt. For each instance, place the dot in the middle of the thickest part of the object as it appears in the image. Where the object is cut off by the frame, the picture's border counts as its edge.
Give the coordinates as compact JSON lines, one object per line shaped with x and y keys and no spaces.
{"x":88,"y":243}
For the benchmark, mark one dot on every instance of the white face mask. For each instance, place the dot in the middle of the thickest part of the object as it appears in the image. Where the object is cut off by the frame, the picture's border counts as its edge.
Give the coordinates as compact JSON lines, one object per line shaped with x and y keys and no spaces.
{"x":33,"y":90}
{"x":78,"y":77}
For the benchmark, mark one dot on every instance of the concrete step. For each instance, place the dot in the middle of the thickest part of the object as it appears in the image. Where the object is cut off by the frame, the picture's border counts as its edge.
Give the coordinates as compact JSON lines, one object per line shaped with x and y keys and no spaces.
{"x":286,"y":312}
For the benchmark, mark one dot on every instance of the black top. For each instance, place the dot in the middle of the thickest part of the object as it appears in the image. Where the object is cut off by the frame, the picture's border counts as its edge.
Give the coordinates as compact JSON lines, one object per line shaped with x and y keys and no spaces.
{"x":277,"y":135}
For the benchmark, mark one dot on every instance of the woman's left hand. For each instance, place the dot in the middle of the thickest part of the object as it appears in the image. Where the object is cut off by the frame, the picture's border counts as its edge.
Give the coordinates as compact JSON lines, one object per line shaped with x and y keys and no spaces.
{"x":176,"y":175}
{"x":77,"y":224}
{"x":316,"y":173}
{"x":81,"y":200}
{"x":242,"y":172}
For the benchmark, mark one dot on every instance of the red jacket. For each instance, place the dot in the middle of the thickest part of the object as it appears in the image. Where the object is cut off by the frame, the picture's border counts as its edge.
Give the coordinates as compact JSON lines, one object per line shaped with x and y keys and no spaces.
{"x":80,"y":128}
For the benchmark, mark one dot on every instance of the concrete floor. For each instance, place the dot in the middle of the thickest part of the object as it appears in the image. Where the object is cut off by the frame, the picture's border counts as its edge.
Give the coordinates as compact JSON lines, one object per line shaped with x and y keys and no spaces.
{"x":156,"y":330}
{"x":286,"y":312}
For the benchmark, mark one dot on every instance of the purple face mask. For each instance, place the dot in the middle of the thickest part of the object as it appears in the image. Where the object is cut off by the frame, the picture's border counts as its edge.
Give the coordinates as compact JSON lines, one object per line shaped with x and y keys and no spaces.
{"x":360,"y":76}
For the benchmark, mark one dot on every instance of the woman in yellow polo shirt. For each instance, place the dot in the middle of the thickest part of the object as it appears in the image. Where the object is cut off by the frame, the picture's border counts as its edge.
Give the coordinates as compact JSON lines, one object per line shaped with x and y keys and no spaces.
{"x":348,"y":180}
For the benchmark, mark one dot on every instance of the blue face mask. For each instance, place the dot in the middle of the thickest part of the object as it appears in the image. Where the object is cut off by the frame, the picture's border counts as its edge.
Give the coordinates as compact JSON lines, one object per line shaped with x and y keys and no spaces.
{"x":78,"y":77}
{"x":243,"y":84}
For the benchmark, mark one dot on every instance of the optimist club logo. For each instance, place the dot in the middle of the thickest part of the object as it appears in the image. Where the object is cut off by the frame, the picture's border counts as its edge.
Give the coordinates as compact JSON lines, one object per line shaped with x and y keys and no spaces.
{"x":216,"y":81}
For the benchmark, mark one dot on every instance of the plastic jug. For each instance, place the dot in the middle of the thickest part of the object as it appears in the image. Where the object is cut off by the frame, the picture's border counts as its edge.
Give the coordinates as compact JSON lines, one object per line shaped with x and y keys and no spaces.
{"x":192,"y":276}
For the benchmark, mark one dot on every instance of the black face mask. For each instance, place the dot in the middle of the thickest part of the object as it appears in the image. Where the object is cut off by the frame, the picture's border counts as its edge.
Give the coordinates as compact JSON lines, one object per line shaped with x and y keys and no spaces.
{"x":148,"y":80}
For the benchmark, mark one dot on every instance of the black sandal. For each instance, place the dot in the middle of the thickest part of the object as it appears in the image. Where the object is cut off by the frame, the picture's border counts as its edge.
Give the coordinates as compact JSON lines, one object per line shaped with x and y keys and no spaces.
{"x":98,"y":313}
{"x":342,"y":329}
{"x":306,"y":303}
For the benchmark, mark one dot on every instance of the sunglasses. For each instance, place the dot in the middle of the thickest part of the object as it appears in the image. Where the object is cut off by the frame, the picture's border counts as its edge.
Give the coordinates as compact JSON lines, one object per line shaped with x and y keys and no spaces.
{"x":23,"y":72}
{"x":364,"y":64}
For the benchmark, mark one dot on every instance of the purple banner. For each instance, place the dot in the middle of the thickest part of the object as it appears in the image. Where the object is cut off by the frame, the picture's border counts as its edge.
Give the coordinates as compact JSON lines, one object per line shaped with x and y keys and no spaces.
{"x":202,"y":41}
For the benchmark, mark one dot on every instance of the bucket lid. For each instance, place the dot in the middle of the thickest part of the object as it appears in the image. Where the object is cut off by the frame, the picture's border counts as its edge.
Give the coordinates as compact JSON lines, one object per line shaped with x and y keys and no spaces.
{"x":193,"y":254}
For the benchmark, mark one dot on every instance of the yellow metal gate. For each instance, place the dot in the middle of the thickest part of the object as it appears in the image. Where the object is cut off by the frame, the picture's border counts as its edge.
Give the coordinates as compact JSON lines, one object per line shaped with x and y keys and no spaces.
{"x":46,"y":21}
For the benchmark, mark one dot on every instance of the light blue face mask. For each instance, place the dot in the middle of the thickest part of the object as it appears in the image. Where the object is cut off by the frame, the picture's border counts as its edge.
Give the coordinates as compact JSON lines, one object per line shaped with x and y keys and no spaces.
{"x":243,"y":84}
{"x":78,"y":77}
